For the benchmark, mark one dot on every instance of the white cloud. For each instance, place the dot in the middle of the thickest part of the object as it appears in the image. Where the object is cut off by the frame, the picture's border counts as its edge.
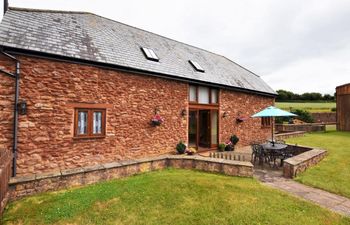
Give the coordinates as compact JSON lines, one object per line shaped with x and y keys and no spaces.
{"x":293,"y":44}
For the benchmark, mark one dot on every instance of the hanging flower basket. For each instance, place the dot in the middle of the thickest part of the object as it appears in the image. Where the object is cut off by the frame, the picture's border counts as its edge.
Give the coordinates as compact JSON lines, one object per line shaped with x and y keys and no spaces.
{"x":157,"y":120}
{"x":241,"y":119}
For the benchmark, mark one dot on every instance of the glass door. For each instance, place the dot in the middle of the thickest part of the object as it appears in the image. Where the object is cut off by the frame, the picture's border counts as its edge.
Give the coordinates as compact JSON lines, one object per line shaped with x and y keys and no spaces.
{"x":213,"y":128}
{"x":192,"y":128}
{"x":204,"y":128}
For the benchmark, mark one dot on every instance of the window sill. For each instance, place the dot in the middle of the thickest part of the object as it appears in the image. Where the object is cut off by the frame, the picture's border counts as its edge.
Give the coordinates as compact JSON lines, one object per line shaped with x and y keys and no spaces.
{"x":88,"y":137}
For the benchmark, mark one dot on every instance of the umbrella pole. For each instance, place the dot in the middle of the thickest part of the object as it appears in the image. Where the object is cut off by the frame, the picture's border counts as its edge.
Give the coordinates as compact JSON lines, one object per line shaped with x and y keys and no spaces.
{"x":272,"y":125}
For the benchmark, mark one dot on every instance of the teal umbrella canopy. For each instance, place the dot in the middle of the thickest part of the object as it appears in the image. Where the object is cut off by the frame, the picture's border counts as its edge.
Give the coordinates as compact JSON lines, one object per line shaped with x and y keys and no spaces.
{"x":272,"y":111}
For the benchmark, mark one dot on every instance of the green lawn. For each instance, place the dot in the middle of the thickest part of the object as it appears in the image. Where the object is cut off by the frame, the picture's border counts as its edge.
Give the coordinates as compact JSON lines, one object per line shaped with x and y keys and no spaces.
{"x":309,"y":106}
{"x":170,"y":197}
{"x":332,"y":173}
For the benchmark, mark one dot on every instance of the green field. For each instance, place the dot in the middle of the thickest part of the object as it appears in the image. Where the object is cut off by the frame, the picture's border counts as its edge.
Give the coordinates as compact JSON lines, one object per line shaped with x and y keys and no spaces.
{"x":309,"y":106}
{"x":333,"y":172}
{"x":170,"y":197}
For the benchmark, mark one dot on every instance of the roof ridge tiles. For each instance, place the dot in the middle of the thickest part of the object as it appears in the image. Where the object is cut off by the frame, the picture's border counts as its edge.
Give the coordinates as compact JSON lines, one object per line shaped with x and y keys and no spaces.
{"x":48,"y":10}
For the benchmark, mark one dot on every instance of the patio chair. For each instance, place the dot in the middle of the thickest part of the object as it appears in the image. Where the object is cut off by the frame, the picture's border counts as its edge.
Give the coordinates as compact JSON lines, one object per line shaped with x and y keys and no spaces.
{"x":287,"y":153}
{"x":270,"y":157}
{"x":258,"y":153}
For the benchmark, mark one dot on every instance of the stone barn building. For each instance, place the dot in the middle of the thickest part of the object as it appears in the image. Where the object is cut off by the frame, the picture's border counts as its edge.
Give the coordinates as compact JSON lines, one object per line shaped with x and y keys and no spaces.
{"x":86,"y":88}
{"x":343,"y":107}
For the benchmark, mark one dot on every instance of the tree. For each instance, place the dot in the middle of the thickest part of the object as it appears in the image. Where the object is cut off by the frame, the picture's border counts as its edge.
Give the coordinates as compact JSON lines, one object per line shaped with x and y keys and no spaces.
{"x":327,"y":97}
{"x":284,"y":95}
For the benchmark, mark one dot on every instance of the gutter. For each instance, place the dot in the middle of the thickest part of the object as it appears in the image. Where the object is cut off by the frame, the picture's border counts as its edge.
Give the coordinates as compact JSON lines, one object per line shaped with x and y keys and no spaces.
{"x":15,"y":111}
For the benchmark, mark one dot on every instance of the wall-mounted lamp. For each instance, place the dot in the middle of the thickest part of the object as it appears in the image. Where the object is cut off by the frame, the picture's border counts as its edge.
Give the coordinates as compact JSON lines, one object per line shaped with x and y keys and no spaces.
{"x":225,"y":114}
{"x":183,"y":112}
{"x":22,"y":107}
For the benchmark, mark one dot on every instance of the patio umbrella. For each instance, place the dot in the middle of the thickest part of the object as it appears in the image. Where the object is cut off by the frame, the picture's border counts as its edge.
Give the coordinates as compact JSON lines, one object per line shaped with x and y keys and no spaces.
{"x":272,"y":111}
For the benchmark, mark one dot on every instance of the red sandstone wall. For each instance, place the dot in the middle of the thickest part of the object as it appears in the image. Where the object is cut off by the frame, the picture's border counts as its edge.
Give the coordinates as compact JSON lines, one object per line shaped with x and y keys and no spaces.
{"x":51,"y":87}
{"x":238,"y":104}
{"x":7,"y":90}
{"x":46,"y":133}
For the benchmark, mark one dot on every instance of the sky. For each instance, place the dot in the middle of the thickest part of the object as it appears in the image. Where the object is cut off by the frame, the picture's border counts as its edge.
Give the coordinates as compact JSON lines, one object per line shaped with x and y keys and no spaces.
{"x":296,"y":45}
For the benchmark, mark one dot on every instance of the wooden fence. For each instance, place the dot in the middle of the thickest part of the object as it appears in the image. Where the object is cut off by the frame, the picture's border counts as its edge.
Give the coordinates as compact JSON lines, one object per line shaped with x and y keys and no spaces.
{"x":231,"y":156}
{"x":5,"y":174}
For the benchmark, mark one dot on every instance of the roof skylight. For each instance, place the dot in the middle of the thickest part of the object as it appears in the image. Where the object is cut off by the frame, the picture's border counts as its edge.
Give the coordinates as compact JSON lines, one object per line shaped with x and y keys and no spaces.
{"x":196,"y":66}
{"x":149,"y":53}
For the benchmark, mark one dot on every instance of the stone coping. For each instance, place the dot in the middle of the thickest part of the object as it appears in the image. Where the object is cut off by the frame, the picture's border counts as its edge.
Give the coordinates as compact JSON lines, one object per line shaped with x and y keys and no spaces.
{"x":216,"y":160}
{"x":123,"y":163}
{"x":303,"y":157}
{"x":290,"y":133}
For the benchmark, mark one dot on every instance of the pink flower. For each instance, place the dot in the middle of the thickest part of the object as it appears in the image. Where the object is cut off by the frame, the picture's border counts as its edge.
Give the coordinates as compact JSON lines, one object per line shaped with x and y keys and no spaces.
{"x":157,"y":119}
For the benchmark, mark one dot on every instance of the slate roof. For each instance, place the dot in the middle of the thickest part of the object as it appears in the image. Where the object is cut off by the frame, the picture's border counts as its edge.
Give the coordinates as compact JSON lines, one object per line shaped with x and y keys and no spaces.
{"x":91,"y":37}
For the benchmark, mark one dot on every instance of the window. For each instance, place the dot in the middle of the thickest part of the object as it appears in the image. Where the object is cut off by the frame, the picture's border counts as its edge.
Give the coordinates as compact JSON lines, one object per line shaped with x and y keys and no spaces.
{"x":214,"y":96}
{"x":97,"y":123}
{"x":196,"y":66}
{"x":82,"y":122}
{"x":203,"y":95}
{"x":266,"y":121}
{"x":149,"y":53}
{"x":193,"y":93}
{"x":90,"y":123}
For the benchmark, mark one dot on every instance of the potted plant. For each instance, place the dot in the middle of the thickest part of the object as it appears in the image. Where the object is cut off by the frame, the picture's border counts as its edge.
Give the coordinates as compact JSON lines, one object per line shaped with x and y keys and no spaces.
{"x":181,"y":148}
{"x":221,"y":147}
{"x":157,"y":120}
{"x":191,"y":151}
{"x":234,"y":140}
{"x":228,"y":146}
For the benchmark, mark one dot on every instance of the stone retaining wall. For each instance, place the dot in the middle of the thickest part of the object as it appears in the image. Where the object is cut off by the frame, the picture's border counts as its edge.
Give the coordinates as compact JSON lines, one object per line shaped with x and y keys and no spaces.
{"x":297,"y":164}
{"x":283,"y":136}
{"x":308,"y":127}
{"x":324,"y":117}
{"x":29,"y":185}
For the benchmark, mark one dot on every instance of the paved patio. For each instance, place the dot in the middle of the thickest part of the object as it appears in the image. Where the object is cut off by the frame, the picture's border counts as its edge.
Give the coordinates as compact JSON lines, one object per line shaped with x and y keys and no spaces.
{"x":273,"y":178}
{"x":245,"y":151}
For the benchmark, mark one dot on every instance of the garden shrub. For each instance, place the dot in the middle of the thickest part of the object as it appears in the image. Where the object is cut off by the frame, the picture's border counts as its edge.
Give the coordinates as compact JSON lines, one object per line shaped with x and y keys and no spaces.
{"x":303,"y":115}
{"x":181,"y":147}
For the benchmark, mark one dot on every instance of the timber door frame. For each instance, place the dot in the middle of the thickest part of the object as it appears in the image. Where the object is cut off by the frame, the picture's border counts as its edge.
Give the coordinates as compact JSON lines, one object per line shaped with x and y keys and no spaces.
{"x":196,"y":110}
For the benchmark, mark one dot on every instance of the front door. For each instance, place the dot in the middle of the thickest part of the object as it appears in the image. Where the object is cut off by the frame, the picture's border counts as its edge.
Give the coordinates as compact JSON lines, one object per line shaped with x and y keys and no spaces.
{"x":203,"y":128}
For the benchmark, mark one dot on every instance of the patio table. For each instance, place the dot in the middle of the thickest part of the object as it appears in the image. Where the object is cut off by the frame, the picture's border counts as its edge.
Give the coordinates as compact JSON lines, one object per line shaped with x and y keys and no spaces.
{"x":276,"y":146}
{"x":274,"y":150}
